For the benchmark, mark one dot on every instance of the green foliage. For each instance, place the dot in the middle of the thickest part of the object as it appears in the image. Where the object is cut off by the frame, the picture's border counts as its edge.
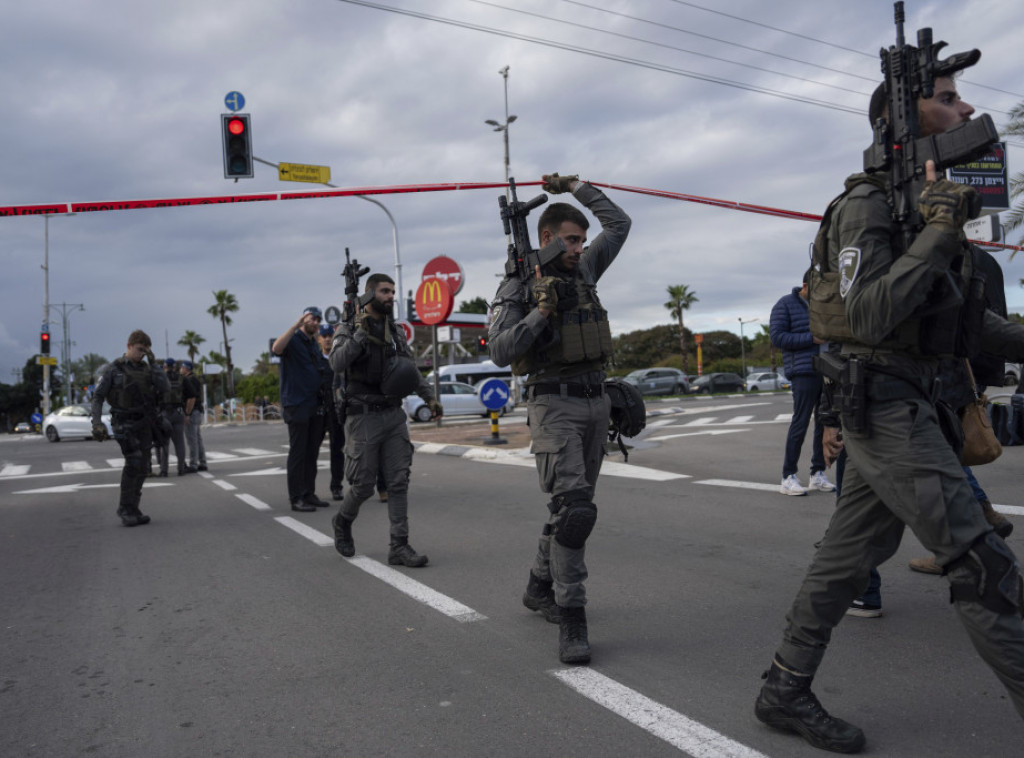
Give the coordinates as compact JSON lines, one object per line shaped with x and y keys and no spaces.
{"x":476,"y":305}
{"x":645,"y":347}
{"x":253,"y":387}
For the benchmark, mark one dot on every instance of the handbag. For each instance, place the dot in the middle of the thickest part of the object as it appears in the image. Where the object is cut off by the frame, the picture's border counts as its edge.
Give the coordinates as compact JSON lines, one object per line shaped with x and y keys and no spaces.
{"x":980,"y":443}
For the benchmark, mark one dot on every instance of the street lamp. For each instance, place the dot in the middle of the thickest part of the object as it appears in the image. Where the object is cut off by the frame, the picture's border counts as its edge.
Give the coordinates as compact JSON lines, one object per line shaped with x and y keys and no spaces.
{"x":743,"y":352}
{"x":66,"y":309}
{"x":46,"y":303}
{"x":508,"y":120}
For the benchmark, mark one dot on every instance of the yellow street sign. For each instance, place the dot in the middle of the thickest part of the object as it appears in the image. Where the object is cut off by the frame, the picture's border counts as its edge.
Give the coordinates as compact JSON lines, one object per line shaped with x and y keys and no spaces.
{"x":298,"y":172}
{"x":47,"y":360}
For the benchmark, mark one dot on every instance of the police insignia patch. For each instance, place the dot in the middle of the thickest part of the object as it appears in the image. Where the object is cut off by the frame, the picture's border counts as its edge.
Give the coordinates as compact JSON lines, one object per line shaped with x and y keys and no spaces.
{"x":848,"y":263}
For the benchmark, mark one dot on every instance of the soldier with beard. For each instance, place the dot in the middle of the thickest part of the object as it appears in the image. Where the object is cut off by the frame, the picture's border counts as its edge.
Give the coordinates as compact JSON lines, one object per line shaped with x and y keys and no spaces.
{"x":379,"y":371}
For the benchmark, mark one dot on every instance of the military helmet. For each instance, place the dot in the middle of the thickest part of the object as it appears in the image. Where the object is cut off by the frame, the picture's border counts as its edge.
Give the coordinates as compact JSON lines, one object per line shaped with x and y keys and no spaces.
{"x":401,"y":377}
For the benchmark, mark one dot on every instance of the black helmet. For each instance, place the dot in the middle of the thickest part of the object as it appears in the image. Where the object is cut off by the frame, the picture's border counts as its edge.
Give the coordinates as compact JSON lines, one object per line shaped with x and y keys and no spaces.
{"x":401,"y":377}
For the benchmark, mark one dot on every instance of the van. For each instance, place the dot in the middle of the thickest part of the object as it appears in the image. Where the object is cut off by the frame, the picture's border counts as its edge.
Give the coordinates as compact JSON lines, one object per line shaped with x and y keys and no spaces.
{"x":472,"y":373}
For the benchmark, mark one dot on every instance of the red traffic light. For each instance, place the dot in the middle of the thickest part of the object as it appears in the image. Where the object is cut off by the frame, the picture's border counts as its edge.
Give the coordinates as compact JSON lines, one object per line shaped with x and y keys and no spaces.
{"x":44,"y":343}
{"x":236,"y":126}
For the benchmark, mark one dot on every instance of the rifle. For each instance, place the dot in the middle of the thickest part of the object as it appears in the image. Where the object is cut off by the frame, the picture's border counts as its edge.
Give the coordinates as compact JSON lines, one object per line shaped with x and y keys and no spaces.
{"x":353,"y":302}
{"x":521,"y":256}
{"x":910,"y":73}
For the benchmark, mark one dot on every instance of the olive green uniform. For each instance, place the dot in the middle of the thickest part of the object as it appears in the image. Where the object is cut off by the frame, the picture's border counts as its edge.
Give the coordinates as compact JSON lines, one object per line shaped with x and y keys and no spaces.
{"x":567,"y":409}
{"x":901,"y":471}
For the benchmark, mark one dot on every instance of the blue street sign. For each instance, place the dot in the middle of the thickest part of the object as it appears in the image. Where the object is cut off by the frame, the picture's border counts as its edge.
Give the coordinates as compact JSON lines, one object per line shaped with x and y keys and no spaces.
{"x":234,"y":101}
{"x":493,"y":394}
{"x":36,"y":418}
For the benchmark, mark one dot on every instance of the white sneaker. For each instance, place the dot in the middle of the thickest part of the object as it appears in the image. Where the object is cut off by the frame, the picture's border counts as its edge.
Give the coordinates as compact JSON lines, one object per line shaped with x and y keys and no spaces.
{"x":820,"y":482}
{"x":791,"y":486}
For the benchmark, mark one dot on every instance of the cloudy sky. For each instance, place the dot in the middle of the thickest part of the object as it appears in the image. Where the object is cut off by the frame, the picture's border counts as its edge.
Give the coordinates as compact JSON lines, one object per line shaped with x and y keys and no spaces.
{"x":120,"y":100}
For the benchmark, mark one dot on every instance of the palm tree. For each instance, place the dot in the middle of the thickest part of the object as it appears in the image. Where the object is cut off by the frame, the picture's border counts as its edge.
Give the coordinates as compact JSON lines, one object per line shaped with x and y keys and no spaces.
{"x":1015,"y":217}
{"x":225,"y":304}
{"x":681,"y":299}
{"x":191,"y":342}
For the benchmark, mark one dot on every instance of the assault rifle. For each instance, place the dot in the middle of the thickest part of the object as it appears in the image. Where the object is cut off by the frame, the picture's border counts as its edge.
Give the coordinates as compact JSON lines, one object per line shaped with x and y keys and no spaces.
{"x":910,"y":73}
{"x":353,"y":302}
{"x":521,"y":256}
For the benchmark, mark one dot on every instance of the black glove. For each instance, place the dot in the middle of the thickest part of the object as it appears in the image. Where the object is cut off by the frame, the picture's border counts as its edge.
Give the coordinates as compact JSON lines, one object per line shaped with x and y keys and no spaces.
{"x":436,"y":409}
{"x":556,"y":184}
{"x":949,"y":205}
{"x":99,"y":432}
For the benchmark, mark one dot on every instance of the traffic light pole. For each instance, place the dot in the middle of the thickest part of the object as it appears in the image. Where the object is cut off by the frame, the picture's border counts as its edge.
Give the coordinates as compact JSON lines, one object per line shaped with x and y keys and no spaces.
{"x":46,"y":310}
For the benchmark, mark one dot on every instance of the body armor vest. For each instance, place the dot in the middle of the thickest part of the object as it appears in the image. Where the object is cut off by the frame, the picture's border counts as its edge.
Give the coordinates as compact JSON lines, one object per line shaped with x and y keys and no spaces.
{"x":174,"y":396}
{"x":365,"y":375}
{"x":949,"y":322}
{"x":579,"y":336}
{"x":131,"y":387}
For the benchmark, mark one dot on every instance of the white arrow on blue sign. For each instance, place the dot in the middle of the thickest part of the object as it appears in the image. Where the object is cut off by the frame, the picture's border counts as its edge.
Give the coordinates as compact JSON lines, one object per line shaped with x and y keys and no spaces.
{"x":493,"y":394}
{"x":234,"y":101}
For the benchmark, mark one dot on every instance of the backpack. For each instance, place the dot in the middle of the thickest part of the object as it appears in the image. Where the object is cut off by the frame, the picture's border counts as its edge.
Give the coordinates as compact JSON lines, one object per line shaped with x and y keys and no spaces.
{"x":629,"y":414}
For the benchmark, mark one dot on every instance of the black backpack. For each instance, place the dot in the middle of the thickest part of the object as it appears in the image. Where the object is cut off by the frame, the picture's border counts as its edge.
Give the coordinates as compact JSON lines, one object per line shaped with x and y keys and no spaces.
{"x":629,"y":414}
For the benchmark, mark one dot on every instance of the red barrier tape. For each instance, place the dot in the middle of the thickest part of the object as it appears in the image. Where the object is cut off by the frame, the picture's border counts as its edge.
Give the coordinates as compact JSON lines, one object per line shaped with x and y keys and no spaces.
{"x":122,"y":205}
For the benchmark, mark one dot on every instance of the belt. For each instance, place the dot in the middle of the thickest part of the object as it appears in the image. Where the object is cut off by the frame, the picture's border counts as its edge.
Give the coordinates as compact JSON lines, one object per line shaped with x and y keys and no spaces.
{"x":354,"y":409}
{"x":571,"y":390}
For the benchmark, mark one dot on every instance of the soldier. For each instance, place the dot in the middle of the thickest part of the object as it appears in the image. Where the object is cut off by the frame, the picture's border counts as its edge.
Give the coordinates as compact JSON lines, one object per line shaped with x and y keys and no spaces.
{"x":133,"y":389}
{"x":335,"y":429}
{"x":172,"y":408}
{"x":554,"y":330}
{"x":192,"y":394}
{"x":905,"y":309}
{"x":379,"y":371}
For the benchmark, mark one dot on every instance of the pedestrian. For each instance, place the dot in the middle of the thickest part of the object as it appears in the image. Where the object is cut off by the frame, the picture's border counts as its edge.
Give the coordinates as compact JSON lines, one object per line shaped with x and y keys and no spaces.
{"x":563,"y":343}
{"x":133,"y":388}
{"x":901,"y":309}
{"x":192,"y":394}
{"x":790,"y":329}
{"x":379,"y":371}
{"x":172,"y":408}
{"x":301,"y":380}
{"x":334,"y":427}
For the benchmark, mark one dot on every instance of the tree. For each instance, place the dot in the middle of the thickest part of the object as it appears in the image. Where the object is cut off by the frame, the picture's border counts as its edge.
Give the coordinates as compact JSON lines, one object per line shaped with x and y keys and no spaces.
{"x":476,"y":305}
{"x":191,"y":342}
{"x":681,"y":299}
{"x":87,"y":368}
{"x":264,"y":366}
{"x":225,"y":304}
{"x":1015,"y":217}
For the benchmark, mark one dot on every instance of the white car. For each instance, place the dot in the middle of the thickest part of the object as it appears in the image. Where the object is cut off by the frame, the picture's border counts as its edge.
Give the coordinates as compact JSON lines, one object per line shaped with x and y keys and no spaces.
{"x":73,"y":422}
{"x":457,"y":399}
{"x":767,"y":380}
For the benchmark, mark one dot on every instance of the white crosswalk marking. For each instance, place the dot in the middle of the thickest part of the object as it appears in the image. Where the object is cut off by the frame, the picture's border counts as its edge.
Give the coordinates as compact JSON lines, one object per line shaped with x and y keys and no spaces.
{"x":740,"y":420}
{"x":115,"y":462}
{"x":251,"y":451}
{"x":76,"y":466}
{"x":215,"y":456}
{"x":11,"y":469}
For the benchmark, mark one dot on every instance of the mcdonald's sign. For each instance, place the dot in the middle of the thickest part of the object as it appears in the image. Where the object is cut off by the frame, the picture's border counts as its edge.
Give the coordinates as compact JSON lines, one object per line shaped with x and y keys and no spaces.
{"x":433,"y":301}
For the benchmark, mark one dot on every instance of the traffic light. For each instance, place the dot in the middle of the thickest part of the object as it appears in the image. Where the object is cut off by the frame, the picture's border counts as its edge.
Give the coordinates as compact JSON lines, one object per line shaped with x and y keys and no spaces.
{"x":237,"y":139}
{"x":44,"y":343}
{"x":481,"y":345}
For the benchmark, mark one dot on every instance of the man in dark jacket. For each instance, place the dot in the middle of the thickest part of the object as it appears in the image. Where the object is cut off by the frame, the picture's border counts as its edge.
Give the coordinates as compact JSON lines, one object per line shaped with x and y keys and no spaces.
{"x":790,"y":330}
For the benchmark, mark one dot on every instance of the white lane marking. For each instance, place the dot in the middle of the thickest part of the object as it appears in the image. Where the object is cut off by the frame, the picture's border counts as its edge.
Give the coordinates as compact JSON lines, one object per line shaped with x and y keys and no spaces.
{"x":681,"y":732}
{"x":316,"y":537}
{"x":701,"y":421}
{"x":224,"y":485}
{"x":253,"y":501}
{"x":739,"y":420}
{"x":75,"y":466}
{"x":421,"y":592}
{"x":11,"y":469}
{"x":608,"y":468}
{"x":741,"y":485}
{"x":251,"y":451}
{"x":712,"y":432}
{"x":787,"y":417}
{"x":68,"y":488}
{"x":115,"y":462}
{"x":215,"y":456}
{"x":1013,"y":510}
{"x":263,"y":472}
{"x":205,"y":474}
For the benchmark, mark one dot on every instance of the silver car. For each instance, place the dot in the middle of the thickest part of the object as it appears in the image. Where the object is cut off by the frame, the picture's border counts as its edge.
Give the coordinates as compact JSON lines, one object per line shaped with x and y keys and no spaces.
{"x":768,"y":380}
{"x":658,"y":381}
{"x":457,"y":399}
{"x":73,"y":422}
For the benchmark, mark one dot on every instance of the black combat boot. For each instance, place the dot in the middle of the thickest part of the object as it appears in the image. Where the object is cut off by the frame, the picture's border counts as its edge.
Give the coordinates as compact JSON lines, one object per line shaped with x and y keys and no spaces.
{"x":402,"y":554}
{"x":787,"y":703}
{"x":573,"y":646}
{"x":540,"y":597}
{"x":127,"y":517}
{"x":343,"y":541}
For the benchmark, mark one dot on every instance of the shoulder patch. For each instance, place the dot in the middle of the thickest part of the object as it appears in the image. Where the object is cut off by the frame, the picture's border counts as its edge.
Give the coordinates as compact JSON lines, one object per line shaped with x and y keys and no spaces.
{"x":848,"y":264}
{"x":495,"y":313}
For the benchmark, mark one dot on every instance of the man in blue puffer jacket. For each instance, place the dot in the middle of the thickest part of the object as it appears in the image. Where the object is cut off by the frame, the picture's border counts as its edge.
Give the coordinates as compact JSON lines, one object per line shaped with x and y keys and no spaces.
{"x":790,"y":330}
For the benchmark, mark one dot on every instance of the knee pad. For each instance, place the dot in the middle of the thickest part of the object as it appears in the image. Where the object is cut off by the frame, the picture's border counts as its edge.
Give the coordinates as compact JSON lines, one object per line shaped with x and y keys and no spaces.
{"x":575,"y":518}
{"x":993,"y":576}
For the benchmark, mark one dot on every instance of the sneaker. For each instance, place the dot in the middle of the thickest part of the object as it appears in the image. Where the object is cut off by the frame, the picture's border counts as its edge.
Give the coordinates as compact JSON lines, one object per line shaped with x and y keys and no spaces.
{"x":865,"y":610}
{"x":791,"y":486}
{"x":820,"y":482}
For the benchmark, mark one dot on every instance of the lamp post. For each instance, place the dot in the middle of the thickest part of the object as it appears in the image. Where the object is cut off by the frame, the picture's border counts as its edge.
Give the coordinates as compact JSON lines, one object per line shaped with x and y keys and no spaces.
{"x":46,"y":303}
{"x":66,"y":309}
{"x":503,"y":128}
{"x":743,"y":352}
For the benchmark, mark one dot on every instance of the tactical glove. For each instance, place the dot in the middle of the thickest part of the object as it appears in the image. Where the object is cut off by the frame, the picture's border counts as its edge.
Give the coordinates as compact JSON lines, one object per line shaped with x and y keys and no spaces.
{"x":545,"y":292}
{"x":151,"y":357}
{"x":436,"y":409}
{"x":556,"y":184}
{"x":99,"y":432}
{"x":949,"y":205}
{"x":359,"y":322}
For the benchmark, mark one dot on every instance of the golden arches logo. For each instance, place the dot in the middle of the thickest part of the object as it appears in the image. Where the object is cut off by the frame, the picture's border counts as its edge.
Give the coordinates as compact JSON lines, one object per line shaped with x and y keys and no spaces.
{"x":430,"y":292}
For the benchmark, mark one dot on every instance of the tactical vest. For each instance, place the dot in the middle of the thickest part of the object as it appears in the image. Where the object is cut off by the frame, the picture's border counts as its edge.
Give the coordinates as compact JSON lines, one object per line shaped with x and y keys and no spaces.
{"x":174,"y":396}
{"x":132,"y":389}
{"x":579,"y":335}
{"x":364,"y":376}
{"x":948,"y":324}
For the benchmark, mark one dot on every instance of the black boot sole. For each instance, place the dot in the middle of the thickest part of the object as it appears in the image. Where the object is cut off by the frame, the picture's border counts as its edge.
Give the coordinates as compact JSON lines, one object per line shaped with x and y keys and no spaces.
{"x":776,"y":717}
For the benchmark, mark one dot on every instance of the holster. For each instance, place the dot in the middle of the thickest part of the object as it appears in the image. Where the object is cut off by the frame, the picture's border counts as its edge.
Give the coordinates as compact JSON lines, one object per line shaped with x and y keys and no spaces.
{"x":848,"y":377}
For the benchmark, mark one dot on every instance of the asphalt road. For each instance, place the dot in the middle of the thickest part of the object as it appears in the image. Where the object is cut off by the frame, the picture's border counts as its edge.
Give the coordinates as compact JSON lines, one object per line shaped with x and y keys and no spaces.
{"x":229,"y":626}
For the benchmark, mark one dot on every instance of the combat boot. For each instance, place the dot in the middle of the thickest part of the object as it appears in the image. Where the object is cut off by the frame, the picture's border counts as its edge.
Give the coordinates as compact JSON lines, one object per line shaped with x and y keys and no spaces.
{"x":999,"y":522}
{"x":787,"y":703}
{"x":402,"y":554}
{"x":573,"y":646}
{"x":540,"y":597}
{"x":343,"y":541}
{"x":127,"y":517}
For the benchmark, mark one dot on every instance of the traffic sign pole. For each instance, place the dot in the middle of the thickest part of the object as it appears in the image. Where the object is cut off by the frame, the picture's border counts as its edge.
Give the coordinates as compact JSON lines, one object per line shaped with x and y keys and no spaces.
{"x":495,"y":438}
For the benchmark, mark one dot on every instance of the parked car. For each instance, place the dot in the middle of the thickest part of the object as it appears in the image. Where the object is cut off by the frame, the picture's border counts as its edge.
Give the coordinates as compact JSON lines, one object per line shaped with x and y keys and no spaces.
{"x":22,"y":427}
{"x":457,"y":399}
{"x":768,"y":380}
{"x":717,"y":382}
{"x":73,"y":421}
{"x":658,"y":381}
